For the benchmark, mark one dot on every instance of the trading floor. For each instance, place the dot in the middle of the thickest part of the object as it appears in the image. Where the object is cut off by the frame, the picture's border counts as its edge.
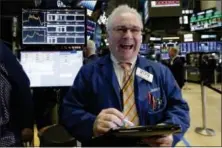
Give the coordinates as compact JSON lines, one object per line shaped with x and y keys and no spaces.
{"x":192,"y":93}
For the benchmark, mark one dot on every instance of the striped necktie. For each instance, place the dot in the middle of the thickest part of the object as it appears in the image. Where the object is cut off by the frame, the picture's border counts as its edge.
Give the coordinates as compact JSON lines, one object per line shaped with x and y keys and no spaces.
{"x":129,"y":106}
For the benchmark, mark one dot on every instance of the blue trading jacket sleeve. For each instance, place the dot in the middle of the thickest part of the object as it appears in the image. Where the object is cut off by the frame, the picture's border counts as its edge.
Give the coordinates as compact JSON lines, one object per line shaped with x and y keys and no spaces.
{"x":177,"y":111}
{"x":73,"y":114}
{"x":25,"y":102}
{"x":22,"y":103}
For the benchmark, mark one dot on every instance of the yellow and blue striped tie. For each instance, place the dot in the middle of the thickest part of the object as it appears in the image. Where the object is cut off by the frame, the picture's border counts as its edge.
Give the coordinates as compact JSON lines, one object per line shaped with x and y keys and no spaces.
{"x":129,"y":105}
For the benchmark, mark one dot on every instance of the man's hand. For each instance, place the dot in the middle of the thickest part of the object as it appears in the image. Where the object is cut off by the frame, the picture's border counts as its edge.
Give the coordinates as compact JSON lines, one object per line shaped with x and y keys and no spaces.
{"x":107,"y":119}
{"x":27,"y":134}
{"x":165,"y":141}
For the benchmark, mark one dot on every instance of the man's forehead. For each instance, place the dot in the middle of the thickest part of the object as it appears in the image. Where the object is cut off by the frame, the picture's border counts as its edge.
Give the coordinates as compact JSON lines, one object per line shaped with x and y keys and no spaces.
{"x":127,"y":16}
{"x":127,"y":26}
{"x":125,"y":23}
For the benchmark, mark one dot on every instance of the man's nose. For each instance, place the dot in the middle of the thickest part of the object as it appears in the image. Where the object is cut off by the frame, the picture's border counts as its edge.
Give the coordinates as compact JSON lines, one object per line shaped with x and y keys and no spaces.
{"x":128,"y":34}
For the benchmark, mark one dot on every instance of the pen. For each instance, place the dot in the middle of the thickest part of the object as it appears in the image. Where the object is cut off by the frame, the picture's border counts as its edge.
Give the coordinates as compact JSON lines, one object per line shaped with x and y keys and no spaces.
{"x":149,"y":97}
{"x":127,"y":122}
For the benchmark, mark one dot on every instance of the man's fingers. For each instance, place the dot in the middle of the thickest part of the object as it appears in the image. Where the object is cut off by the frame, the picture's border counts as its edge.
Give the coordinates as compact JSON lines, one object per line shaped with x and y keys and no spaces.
{"x":159,"y":141}
{"x":99,"y":128}
{"x":165,"y":145}
{"x":162,"y":140}
{"x":107,"y":119}
{"x":115,"y":112}
{"x":107,"y":124}
{"x":102,"y":130}
{"x":113,"y":118}
{"x":165,"y":141}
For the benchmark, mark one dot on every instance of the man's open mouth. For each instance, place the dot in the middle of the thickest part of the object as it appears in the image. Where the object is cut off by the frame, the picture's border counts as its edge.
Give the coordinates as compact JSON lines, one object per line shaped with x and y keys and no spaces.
{"x":126,"y":47}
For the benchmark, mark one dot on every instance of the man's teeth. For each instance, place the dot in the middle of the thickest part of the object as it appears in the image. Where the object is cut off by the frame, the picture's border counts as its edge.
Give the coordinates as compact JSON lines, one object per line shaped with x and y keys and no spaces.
{"x":127,"y":46}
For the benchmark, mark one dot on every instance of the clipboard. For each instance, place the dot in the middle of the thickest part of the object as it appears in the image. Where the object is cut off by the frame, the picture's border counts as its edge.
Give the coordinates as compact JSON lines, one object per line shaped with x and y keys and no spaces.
{"x":146,"y":131}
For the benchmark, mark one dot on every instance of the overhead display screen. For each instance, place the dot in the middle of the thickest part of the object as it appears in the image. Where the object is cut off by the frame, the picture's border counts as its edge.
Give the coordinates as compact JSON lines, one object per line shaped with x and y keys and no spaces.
{"x":165,"y":3}
{"x":206,"y":19}
{"x":203,"y":46}
{"x":165,"y":8}
{"x":53,"y":26}
{"x":88,"y":4}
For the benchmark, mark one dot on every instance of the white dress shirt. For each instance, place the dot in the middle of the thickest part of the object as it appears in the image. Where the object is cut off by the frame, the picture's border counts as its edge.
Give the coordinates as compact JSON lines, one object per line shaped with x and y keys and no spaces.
{"x":119,"y":71}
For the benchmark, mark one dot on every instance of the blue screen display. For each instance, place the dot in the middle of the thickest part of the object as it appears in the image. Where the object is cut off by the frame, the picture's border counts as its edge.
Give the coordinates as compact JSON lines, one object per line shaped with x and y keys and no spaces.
{"x":210,"y":46}
{"x":204,"y":46}
{"x":219,"y":46}
{"x":144,"y":49}
{"x":90,"y":27}
{"x":97,"y":36}
{"x":165,"y":56}
{"x":88,"y":4}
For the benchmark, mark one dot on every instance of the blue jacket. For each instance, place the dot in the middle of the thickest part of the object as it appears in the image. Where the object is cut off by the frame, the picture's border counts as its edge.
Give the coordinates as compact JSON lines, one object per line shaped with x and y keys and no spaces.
{"x":96,"y":88}
{"x":20,"y":101}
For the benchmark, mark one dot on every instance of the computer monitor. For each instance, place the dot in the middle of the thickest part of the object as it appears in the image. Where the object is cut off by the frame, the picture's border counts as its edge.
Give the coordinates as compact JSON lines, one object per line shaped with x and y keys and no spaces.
{"x":165,"y":56}
{"x":219,"y":46}
{"x":51,"y":68}
{"x":190,"y":47}
{"x":91,"y":28}
{"x":88,"y":4}
{"x":98,"y":36}
{"x":212,"y":46}
{"x":53,"y":26}
{"x":204,"y":46}
{"x":144,"y":49}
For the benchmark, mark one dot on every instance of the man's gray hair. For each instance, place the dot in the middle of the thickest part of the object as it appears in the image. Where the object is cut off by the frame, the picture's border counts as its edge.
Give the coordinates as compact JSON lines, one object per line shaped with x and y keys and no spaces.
{"x":91,"y":45}
{"x":119,"y":10}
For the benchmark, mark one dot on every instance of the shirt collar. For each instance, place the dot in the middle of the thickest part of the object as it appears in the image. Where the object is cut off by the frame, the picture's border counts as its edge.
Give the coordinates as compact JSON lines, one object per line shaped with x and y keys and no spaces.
{"x":116,"y":62}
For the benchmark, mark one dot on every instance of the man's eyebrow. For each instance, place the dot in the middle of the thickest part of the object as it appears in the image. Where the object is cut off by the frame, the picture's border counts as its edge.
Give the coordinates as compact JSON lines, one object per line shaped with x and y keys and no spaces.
{"x":127,"y":26}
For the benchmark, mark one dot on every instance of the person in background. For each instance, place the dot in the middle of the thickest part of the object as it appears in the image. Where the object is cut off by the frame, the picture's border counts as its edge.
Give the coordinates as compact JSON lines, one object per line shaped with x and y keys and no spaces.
{"x":102,"y":51}
{"x":16,"y":105}
{"x":45,"y":100}
{"x":151,"y":55}
{"x":123,"y":89}
{"x":212,"y":67}
{"x":90,"y":52}
{"x":176,"y":66}
{"x":206,"y":68}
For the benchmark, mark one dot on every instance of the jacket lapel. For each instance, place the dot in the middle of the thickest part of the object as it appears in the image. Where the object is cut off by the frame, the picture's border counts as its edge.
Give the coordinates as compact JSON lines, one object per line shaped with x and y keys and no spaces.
{"x":139,"y":83}
{"x":108,"y":72}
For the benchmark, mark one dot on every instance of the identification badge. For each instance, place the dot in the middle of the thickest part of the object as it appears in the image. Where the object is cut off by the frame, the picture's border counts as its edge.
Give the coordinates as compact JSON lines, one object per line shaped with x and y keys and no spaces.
{"x":144,"y":74}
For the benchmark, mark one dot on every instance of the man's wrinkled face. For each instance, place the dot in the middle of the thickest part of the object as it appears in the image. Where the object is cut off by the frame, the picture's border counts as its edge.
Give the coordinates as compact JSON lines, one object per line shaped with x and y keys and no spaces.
{"x":125,"y":36}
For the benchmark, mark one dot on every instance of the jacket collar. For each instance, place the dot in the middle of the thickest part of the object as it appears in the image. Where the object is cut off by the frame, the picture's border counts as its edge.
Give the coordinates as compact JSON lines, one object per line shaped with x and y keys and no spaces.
{"x":107,"y":69}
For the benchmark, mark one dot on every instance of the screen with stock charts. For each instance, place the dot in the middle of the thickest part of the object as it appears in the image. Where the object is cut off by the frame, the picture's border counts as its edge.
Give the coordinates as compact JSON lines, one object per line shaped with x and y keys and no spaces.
{"x":53,"y":26}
